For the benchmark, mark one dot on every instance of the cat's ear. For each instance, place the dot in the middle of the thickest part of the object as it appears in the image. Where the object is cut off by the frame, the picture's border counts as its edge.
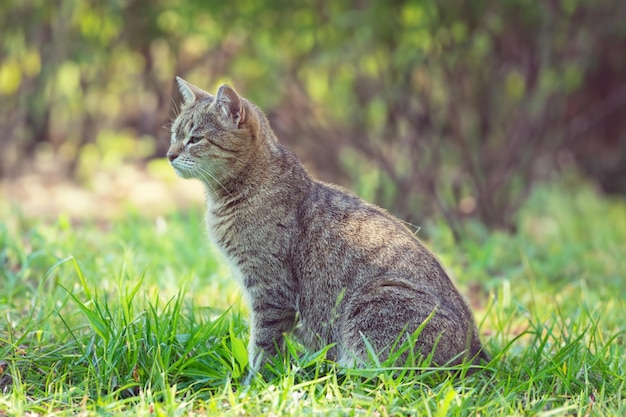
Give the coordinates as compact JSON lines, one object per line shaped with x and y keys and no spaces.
{"x":190,"y":92}
{"x":230,"y":106}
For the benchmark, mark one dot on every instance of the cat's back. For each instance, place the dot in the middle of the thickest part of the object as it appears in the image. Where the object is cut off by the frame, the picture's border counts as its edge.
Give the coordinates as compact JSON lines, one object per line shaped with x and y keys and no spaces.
{"x":359,"y":239}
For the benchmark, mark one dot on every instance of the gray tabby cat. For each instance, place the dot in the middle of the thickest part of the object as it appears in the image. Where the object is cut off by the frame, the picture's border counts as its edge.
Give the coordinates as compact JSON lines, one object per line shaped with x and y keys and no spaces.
{"x":312,"y":258}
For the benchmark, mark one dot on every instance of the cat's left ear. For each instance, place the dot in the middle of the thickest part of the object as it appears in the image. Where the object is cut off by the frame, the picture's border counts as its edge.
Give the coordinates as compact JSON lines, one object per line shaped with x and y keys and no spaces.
{"x":190,"y":92}
{"x":230,"y":106}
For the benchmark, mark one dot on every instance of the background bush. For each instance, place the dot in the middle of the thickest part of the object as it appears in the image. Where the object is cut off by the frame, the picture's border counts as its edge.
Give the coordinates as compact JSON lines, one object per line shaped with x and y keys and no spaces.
{"x":452,"y":106}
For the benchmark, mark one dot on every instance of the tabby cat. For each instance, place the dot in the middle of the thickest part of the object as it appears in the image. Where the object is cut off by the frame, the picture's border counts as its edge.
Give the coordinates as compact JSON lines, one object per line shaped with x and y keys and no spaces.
{"x":312,"y":258}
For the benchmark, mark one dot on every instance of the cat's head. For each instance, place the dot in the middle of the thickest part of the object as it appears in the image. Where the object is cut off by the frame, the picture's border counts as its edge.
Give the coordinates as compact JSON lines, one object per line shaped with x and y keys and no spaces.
{"x":214,"y":136}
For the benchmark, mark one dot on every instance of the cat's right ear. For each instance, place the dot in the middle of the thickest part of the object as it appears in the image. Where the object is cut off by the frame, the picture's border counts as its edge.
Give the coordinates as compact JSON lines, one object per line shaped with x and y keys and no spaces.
{"x":190,"y":92}
{"x":230,"y":105}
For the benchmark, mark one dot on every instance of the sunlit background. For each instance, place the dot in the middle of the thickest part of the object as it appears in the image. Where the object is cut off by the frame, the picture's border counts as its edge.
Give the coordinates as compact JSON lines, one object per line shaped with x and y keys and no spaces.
{"x":452,"y":109}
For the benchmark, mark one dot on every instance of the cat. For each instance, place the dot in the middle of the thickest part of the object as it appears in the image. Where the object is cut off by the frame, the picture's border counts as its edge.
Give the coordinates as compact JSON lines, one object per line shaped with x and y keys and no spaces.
{"x":312,"y":258}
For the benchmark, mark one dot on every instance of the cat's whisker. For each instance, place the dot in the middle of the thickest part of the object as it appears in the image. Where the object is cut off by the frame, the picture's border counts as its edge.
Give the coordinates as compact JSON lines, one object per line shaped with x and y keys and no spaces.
{"x":206,"y":181}
{"x":206,"y":171}
{"x":175,"y":108}
{"x":205,"y":177}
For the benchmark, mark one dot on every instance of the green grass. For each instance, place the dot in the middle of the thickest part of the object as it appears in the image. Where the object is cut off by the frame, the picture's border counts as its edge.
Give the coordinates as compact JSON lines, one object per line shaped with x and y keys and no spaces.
{"x":137,"y":317}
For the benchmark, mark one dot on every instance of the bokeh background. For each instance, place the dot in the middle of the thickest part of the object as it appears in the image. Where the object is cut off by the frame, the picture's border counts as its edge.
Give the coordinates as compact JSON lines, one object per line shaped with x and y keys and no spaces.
{"x":453,"y":109}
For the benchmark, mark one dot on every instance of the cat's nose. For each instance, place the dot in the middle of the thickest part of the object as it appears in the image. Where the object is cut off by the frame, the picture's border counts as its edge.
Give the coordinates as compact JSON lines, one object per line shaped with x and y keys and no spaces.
{"x":171,"y":155}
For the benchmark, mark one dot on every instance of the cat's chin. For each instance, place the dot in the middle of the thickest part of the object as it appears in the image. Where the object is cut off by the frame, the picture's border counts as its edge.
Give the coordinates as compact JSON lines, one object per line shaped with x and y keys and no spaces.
{"x":183,"y":173}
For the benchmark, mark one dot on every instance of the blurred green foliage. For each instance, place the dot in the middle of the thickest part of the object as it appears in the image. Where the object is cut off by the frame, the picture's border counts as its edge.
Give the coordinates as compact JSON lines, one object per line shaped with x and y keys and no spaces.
{"x":451,"y":106}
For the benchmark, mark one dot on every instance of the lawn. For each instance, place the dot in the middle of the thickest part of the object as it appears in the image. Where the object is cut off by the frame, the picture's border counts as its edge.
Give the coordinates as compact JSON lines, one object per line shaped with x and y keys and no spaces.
{"x":136,"y":316}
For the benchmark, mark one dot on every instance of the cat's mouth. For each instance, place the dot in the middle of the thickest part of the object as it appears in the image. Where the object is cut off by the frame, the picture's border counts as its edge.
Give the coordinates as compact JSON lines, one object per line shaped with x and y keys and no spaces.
{"x":188,"y":169}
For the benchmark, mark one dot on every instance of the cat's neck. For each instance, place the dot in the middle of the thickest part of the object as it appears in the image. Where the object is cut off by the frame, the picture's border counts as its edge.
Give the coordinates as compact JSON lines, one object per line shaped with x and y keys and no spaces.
{"x":268,"y":172}
{"x":236,"y":187}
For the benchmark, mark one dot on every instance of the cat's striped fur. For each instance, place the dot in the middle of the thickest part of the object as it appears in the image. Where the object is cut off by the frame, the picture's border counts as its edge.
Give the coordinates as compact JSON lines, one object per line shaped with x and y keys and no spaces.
{"x":312,"y":258}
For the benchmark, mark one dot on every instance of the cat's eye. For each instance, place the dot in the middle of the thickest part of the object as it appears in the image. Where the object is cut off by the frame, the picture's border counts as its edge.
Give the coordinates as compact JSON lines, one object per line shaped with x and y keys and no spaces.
{"x":195,"y":139}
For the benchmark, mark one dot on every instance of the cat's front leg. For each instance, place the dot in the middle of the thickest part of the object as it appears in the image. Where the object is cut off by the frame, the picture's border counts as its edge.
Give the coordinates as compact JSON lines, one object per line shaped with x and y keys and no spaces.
{"x":269,"y":322}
